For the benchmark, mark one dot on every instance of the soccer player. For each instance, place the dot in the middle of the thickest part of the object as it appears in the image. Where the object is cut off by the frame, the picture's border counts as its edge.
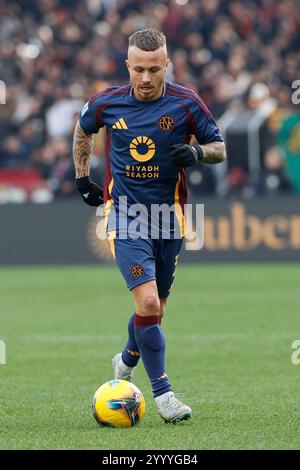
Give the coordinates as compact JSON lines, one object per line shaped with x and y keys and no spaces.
{"x":149,"y":125}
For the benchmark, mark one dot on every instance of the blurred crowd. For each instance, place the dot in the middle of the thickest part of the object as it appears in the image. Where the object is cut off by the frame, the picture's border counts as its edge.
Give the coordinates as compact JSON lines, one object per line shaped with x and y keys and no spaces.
{"x":54,"y":54}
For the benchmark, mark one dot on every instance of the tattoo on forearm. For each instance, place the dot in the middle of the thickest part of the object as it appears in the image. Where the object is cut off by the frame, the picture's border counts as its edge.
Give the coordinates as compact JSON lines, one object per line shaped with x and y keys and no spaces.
{"x":82,"y":151}
{"x":214,"y":152}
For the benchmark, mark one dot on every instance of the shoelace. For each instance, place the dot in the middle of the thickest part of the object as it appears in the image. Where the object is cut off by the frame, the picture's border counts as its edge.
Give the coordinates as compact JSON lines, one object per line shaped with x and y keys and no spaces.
{"x":171,"y":400}
{"x":129,"y":375}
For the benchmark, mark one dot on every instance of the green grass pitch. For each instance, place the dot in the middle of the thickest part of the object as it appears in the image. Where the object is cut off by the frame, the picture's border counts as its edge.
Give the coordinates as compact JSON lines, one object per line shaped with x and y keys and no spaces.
{"x":229,"y":332}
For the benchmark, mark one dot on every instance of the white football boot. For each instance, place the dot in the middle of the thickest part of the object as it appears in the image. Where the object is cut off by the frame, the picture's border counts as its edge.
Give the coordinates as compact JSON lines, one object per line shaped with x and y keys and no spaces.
{"x":121,"y":370}
{"x":171,"y":409}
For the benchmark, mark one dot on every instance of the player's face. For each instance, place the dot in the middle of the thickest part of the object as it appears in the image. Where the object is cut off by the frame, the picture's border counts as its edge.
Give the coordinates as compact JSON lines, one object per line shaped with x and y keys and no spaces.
{"x":147,"y":71}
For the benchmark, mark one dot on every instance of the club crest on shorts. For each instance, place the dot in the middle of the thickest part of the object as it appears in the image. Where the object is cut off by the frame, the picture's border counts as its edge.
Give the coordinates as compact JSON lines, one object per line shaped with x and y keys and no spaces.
{"x":137,"y":270}
{"x":166,"y":123}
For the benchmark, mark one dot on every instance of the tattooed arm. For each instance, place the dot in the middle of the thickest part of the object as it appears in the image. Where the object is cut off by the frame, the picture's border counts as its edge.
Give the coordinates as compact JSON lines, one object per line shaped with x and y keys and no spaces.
{"x":90,"y":192}
{"x":82,"y":151}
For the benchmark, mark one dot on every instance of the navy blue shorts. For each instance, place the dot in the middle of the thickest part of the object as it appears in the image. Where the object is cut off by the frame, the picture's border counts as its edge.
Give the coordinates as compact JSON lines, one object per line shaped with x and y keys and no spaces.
{"x":144,"y":260}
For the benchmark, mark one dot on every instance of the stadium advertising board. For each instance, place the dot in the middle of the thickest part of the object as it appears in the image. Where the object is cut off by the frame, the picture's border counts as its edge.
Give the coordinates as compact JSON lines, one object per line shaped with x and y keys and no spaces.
{"x":258,"y":230}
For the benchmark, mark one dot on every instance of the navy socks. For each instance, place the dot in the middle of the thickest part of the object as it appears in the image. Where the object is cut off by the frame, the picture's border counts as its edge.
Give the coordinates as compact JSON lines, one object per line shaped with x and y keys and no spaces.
{"x":131,"y":353}
{"x":151,"y":344}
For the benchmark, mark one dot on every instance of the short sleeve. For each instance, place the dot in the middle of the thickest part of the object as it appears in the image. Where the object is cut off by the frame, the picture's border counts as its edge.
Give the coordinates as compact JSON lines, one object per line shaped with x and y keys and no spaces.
{"x":203,"y":125}
{"x":91,"y":115}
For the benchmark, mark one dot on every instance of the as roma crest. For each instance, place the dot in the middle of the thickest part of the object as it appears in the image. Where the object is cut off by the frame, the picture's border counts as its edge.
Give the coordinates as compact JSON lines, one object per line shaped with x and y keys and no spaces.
{"x":137,"y":270}
{"x":166,"y":123}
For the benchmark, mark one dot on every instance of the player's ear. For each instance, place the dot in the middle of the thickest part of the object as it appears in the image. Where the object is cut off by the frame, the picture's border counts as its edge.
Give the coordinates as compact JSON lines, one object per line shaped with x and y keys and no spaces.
{"x":127,"y":64}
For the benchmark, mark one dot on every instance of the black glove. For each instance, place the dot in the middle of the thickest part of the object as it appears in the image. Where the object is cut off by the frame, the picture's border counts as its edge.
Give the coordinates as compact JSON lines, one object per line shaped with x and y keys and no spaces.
{"x":183,"y":155}
{"x":91,"y":193}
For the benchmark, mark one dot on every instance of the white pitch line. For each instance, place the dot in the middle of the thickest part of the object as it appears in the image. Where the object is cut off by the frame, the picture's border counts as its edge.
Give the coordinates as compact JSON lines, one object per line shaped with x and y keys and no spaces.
{"x":185,"y":337}
{"x":71,"y":338}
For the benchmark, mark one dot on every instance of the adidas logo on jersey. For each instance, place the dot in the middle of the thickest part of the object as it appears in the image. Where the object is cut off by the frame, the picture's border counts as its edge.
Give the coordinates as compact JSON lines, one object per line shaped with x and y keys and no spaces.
{"x":86,"y":195}
{"x":120,"y":124}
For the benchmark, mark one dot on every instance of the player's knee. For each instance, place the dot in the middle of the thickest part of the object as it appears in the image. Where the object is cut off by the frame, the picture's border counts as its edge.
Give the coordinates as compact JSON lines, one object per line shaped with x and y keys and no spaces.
{"x":151,"y":305}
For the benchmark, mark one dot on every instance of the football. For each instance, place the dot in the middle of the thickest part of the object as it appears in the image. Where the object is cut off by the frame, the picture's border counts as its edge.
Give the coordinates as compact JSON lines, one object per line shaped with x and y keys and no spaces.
{"x":118,"y":404}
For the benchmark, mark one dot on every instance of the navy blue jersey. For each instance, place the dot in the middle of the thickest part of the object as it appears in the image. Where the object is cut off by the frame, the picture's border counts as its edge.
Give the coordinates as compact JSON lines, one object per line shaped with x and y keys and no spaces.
{"x":139,"y":137}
